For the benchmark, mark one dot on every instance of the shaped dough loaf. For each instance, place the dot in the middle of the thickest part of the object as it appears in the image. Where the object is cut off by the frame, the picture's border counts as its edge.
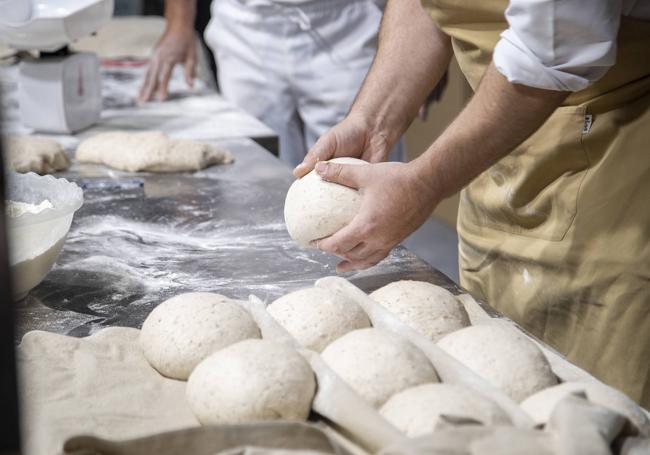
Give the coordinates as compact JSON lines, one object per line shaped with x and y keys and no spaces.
{"x":417,"y":410}
{"x":315,"y":317}
{"x":149,"y":151}
{"x":377,"y":363}
{"x":249,"y":381}
{"x":504,"y":357}
{"x":427,"y":308}
{"x":540,"y":405}
{"x":314,"y":208}
{"x":182,"y":331}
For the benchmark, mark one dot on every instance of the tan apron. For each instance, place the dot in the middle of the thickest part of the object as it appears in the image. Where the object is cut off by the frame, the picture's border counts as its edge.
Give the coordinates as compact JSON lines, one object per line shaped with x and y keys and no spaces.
{"x":557,"y":234}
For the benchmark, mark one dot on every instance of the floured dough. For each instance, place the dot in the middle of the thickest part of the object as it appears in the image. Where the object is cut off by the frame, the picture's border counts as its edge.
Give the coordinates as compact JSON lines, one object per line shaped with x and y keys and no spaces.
{"x":540,"y":405}
{"x":431,"y":310}
{"x":149,"y":151}
{"x":377,"y":363}
{"x":503,"y":356}
{"x":315,"y":317}
{"x":250,"y":381}
{"x":36,"y":154}
{"x":417,"y":410}
{"x":314,"y":208}
{"x":186,"y":329}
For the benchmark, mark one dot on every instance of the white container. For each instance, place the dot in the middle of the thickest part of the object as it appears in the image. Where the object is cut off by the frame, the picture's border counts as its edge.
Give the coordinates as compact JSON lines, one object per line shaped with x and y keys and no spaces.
{"x":35,"y":239}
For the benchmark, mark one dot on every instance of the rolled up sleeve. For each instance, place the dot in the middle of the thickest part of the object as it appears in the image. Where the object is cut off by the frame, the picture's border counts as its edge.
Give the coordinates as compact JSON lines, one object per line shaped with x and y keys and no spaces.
{"x":562,"y":45}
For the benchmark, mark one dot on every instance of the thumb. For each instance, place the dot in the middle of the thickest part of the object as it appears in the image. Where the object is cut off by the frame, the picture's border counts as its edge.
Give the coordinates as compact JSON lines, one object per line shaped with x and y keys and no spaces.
{"x":323,"y":149}
{"x":350,"y":175}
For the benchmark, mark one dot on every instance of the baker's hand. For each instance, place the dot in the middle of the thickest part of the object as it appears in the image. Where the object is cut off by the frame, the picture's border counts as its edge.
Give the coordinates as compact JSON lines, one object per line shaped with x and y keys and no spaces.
{"x":177,"y":45}
{"x":351,"y":137}
{"x":396,"y":199}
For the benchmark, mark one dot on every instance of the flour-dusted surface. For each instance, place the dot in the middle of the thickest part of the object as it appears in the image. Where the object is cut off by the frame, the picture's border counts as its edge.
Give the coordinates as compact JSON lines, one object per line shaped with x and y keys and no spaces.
{"x":139,"y":240}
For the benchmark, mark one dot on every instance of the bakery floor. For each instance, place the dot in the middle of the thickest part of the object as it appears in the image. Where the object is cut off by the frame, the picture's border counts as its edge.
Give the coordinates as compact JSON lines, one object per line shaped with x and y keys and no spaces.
{"x":436,"y":243}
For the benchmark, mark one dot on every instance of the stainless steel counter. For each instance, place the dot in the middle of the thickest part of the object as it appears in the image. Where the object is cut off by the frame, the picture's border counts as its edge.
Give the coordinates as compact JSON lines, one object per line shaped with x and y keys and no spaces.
{"x":142,"y":238}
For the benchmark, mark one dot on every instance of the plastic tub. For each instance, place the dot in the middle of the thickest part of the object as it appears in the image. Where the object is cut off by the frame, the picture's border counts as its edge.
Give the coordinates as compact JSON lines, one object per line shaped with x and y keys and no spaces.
{"x":36,"y":239}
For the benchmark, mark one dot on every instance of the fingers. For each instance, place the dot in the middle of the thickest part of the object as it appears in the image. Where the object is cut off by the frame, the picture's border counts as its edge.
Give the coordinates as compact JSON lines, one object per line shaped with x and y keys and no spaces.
{"x":190,"y":71}
{"x":163,"y":80}
{"x":323,"y":149}
{"x":150,"y":81}
{"x":351,"y":175}
{"x":349,"y":265}
{"x":345,"y":239}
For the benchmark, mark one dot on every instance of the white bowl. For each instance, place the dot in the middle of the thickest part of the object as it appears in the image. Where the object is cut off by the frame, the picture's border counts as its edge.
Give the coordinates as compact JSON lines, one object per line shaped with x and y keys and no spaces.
{"x":35,"y":239}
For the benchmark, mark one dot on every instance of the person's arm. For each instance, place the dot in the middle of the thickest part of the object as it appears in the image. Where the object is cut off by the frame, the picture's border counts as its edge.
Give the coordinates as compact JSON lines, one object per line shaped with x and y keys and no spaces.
{"x":177,"y":45}
{"x":412,"y":56}
{"x":398,"y":198}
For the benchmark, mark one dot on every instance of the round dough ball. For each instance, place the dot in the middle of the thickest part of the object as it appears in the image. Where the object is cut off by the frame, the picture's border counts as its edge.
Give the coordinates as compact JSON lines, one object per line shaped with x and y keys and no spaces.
{"x":504,"y":357}
{"x":314,"y":208}
{"x":377,"y":363}
{"x":416,"y":411}
{"x":540,"y":405}
{"x":187,"y":328}
{"x":249,"y":381}
{"x":315,"y":317}
{"x":431,"y":310}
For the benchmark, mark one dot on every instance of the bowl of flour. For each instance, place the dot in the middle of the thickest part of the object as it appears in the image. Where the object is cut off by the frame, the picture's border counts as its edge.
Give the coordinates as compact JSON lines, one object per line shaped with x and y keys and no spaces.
{"x":39,"y":211}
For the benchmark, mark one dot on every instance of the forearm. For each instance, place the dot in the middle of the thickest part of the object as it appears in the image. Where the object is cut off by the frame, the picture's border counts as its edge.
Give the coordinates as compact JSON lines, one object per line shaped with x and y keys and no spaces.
{"x":412,"y":57}
{"x":499,"y":117}
{"x":180,"y":14}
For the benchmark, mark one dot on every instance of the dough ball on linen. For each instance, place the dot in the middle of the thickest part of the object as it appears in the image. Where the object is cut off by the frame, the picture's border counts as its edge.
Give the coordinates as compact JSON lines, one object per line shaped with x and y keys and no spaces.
{"x":151,"y":151}
{"x":504,"y":357}
{"x":540,"y":405}
{"x":377,"y":363}
{"x":36,"y":154}
{"x":249,"y":381}
{"x":417,"y":410}
{"x":431,"y":310}
{"x":314,"y":208}
{"x":315,"y":317}
{"x":182,"y":331}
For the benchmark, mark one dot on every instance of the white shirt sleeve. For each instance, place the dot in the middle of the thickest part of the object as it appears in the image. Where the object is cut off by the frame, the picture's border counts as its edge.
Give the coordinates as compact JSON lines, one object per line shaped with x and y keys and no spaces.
{"x":560,"y":45}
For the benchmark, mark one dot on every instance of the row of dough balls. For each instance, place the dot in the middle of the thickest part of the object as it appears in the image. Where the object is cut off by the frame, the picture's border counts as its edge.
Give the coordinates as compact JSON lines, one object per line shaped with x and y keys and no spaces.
{"x":233,"y":375}
{"x":260,"y":379}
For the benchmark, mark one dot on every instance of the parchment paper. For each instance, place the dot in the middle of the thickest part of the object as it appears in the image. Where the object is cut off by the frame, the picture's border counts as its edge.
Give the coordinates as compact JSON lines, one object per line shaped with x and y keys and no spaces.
{"x":449,"y":369}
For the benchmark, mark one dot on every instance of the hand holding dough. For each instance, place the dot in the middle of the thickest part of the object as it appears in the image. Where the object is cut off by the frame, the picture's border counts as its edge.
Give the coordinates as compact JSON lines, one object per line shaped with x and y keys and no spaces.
{"x":149,"y":151}
{"x":314,"y":208}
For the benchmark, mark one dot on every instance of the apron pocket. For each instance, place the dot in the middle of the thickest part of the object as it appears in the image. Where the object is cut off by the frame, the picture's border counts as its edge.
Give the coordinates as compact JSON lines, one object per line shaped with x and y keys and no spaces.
{"x":534,"y":190}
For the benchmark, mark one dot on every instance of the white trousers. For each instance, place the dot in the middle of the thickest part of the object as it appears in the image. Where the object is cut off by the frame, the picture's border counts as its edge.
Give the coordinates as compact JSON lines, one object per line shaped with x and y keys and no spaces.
{"x":297,"y":68}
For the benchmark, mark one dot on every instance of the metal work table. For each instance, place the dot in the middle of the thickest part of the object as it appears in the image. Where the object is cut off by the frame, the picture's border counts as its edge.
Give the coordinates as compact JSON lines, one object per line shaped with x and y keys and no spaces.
{"x":142,"y":238}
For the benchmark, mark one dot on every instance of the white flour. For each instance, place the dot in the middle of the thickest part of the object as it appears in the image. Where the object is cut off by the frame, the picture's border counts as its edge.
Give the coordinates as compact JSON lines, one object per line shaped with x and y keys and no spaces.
{"x":14,"y":209}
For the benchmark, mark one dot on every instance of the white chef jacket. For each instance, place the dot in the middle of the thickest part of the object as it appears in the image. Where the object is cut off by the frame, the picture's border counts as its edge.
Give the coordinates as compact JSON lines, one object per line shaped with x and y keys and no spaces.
{"x":562,"y":45}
